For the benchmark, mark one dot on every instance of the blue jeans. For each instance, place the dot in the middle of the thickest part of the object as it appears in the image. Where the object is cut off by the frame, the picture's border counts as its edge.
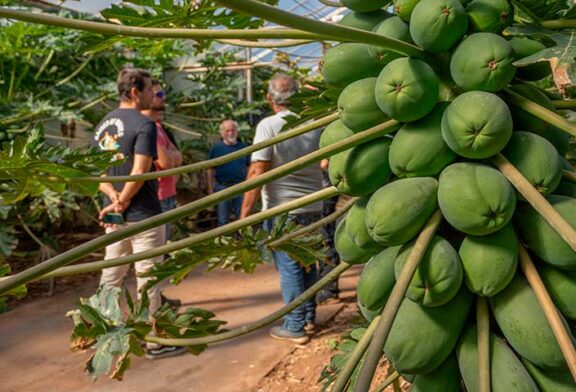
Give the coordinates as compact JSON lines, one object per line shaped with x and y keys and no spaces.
{"x":295,"y":279}
{"x":224,"y":208}
{"x":167,"y":205}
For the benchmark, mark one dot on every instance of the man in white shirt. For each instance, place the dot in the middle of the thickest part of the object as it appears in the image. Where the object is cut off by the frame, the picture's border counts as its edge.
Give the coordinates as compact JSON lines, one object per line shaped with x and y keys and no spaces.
{"x":294,"y":279}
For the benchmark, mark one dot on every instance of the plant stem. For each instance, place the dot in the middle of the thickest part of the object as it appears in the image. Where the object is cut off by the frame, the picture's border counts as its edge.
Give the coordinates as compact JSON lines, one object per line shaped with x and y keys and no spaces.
{"x":526,"y":10}
{"x":541,"y":112}
{"x":536,"y":200}
{"x":558,"y":24}
{"x":307,"y":229}
{"x":483,"y":321}
{"x":302,"y":298}
{"x":333,"y":31}
{"x":196,"y":238}
{"x":329,"y":3}
{"x":154,"y":32}
{"x":76,"y":71}
{"x":565,"y":104}
{"x":183,"y":130}
{"x":195,"y":167}
{"x":258,"y":44}
{"x":389,"y":380}
{"x":193,"y":207}
{"x":552,"y":315}
{"x":355,"y":357}
{"x":393,"y":304}
{"x":568,"y":175}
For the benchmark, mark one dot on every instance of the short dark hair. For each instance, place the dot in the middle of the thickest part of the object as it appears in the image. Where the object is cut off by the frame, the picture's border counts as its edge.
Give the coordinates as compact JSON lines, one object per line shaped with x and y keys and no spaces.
{"x":129,"y":78}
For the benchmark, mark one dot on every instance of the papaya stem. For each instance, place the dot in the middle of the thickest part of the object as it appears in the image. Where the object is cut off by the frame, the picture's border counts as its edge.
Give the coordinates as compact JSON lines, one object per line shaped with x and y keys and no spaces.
{"x":196,"y":238}
{"x":568,"y":175}
{"x":483,"y":321}
{"x":154,"y":32}
{"x":307,"y":229}
{"x":389,"y":380}
{"x":259,"y":44}
{"x":354,"y":358}
{"x":536,"y":200}
{"x":526,"y":10}
{"x":195,"y":167}
{"x":245,"y":329}
{"x":389,"y":312}
{"x":565,"y":104}
{"x":552,"y":315}
{"x":333,"y":31}
{"x":193,"y":207}
{"x":541,"y":112}
{"x":558,"y":24}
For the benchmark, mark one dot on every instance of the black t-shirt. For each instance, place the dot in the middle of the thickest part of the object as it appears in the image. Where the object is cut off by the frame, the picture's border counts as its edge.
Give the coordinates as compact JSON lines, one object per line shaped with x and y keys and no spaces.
{"x":129,"y":132}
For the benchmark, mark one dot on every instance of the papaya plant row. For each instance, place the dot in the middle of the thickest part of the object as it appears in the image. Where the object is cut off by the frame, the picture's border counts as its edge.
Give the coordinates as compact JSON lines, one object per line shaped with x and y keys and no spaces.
{"x":456,"y":175}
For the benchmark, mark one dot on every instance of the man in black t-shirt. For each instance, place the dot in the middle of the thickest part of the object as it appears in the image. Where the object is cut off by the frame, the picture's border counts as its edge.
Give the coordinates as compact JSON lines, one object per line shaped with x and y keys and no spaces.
{"x":133,"y":136}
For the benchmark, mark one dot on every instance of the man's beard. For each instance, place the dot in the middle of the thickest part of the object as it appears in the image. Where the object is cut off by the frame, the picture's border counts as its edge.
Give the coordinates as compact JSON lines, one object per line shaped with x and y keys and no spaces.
{"x":232,"y":140}
{"x":159,"y":108}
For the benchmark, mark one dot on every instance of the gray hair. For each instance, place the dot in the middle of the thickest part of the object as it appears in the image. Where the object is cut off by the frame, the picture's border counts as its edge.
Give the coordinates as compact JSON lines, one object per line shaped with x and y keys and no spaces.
{"x":228,"y":121}
{"x":281,"y":88}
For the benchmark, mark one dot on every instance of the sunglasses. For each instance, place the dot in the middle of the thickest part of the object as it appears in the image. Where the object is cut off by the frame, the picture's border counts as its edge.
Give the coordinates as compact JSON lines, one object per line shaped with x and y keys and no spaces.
{"x":160,"y":94}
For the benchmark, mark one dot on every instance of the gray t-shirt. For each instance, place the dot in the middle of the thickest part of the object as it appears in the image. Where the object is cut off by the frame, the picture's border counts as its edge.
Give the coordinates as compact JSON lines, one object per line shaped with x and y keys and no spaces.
{"x":297,"y":184}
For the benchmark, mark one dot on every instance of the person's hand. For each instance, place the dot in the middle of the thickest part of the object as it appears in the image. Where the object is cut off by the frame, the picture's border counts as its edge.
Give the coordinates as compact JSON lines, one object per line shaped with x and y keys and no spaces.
{"x":115,"y":207}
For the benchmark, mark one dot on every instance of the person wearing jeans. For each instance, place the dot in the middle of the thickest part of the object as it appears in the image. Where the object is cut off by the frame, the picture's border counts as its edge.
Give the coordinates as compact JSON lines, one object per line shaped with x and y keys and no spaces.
{"x":294,"y":278}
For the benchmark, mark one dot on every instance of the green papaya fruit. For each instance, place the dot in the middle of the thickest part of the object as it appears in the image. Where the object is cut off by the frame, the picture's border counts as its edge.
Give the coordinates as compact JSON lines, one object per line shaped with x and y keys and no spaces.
{"x":537,"y":159}
{"x":362,"y":169}
{"x":489,"y":261}
{"x":524,"y":121}
{"x":522,"y":321}
{"x":418,"y":148}
{"x":438,"y":276}
{"x":421,"y":338}
{"x":363,"y":20}
{"x":541,"y":238}
{"x":334,"y":132}
{"x":561,"y":286}
{"x":477,"y":125}
{"x":483,"y":61}
{"x":392,"y":27}
{"x":437,"y":25}
{"x":347,"y":249}
{"x":369,"y":315}
{"x":364,"y":5}
{"x":446,"y":378}
{"x":357,"y":106}
{"x":377,"y":280}
{"x":565,"y":188}
{"x":356,"y":225}
{"x":404,"y":8}
{"x":551,"y":380}
{"x":507,"y":374}
{"x":415,"y":197}
{"x":407,"y":89}
{"x":524,"y":47}
{"x":490,"y":16}
{"x":475,"y":199}
{"x":348,"y":62}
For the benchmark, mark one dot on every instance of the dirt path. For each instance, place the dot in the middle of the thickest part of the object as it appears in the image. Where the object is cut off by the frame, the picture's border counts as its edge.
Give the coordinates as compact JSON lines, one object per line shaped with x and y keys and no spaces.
{"x":35,"y":356}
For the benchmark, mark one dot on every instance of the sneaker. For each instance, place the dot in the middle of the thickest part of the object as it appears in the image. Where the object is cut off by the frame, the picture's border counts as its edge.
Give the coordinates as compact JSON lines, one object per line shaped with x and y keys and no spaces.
{"x":164,"y":352}
{"x":282,"y":333}
{"x":173,"y":303}
{"x":310,"y":327}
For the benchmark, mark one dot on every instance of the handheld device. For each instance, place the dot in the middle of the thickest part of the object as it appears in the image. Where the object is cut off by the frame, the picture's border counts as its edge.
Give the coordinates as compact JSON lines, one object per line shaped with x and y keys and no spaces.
{"x":113,"y":218}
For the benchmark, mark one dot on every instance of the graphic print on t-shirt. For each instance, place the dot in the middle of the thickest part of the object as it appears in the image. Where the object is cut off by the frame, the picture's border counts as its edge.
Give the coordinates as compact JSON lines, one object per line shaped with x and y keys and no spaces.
{"x":108,"y":135}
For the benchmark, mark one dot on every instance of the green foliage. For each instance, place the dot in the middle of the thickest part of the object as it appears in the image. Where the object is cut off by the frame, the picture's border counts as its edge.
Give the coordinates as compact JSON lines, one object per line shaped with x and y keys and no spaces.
{"x":99,"y":323}
{"x":18,"y":292}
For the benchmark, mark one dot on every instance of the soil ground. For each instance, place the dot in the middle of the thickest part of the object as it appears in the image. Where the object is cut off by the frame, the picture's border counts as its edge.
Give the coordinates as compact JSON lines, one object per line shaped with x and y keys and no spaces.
{"x":34,"y":341}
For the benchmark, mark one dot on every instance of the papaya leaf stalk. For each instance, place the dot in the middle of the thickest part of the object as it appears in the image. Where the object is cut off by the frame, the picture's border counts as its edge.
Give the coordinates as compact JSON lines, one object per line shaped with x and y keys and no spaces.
{"x":352,"y":362}
{"x":335,"y":32}
{"x":541,"y":112}
{"x":195,"y":167}
{"x":154,"y":32}
{"x":193,"y":207}
{"x":389,"y":380}
{"x":552,"y":315}
{"x":565,"y":104}
{"x":558,"y":24}
{"x":483,"y":321}
{"x":389,"y":312}
{"x":260,"y":44}
{"x":245,"y":329}
{"x":536,"y":200}
{"x":196,"y":238}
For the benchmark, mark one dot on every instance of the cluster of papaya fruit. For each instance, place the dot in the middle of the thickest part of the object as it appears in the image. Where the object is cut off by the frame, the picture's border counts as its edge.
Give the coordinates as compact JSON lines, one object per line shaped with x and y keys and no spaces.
{"x":452,"y":118}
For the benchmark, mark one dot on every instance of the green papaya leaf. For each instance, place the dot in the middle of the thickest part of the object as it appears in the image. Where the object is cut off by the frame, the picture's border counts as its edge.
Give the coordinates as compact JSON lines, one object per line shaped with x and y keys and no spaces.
{"x":111,"y":349}
{"x":8,"y":241}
